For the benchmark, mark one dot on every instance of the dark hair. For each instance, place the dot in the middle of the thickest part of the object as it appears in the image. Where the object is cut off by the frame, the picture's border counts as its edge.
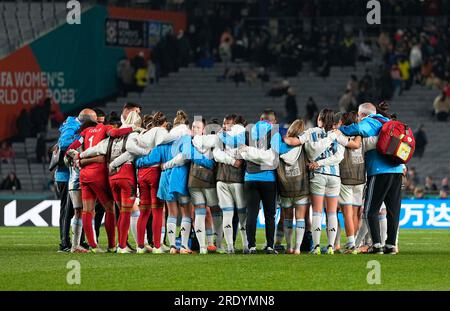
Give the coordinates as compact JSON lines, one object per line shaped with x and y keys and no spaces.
{"x":99,"y":112}
{"x":349,"y":118}
{"x":169,"y":126}
{"x":114,"y":119}
{"x":267,"y":113}
{"x":86,"y":124}
{"x":213,"y":121}
{"x":383,"y":108}
{"x":231,"y":117}
{"x":327,"y":117}
{"x":241,"y":120}
{"x":159,"y":118}
{"x":130,"y":105}
{"x":147,"y":121}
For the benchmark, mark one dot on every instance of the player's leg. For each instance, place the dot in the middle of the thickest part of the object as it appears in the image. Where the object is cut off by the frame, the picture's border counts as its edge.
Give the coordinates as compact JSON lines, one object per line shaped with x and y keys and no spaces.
{"x":383,"y":224}
{"x":145,"y":208}
{"x":217,"y":218}
{"x":288,"y":209}
{"x":317,"y":188}
{"x":157,"y":209}
{"x":268,"y":195}
{"x":127,"y":191}
{"x":105,"y":197}
{"x":279,"y":232}
{"x":199,"y":201}
{"x":238,"y":196}
{"x":209,"y":227}
{"x":172,"y":207}
{"x":77,"y":227}
{"x":332,"y":191}
{"x":252,"y":200}
{"x":135,"y":213}
{"x":226,"y":204}
{"x":393,"y":206}
{"x":346,"y":205}
{"x":88,"y":198}
{"x":186,"y":223}
{"x":300,"y":225}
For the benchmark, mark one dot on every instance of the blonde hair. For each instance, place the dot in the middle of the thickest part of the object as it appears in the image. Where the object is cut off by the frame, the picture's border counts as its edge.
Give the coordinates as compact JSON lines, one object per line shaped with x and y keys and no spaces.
{"x":296,"y":128}
{"x":181,"y":118}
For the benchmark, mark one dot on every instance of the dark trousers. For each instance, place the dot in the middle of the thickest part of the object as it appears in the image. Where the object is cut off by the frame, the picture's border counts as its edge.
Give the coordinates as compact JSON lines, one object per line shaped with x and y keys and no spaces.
{"x":255,"y":192}
{"x":65,"y":214}
{"x":383,"y":188}
{"x":99,"y":212}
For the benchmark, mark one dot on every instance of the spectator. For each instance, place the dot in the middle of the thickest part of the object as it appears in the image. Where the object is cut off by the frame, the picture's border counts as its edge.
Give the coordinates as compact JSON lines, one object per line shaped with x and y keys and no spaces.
{"x":11,"y":182}
{"x":291,"y":106}
{"x":42,"y":155}
{"x":396,"y":79}
{"x":429,"y":184}
{"x":441,"y":107}
{"x":125,"y":76}
{"x":347,"y":101}
{"x":311,"y":109}
{"x":419,"y":193}
{"x":421,"y":141}
{"x":139,"y":62}
{"x":353,"y":85}
{"x":238,"y":76}
{"x":443,"y":195}
{"x":415,"y":59}
{"x":404,"y":67}
{"x":412,"y":175}
{"x":6,"y":152}
{"x":444,"y":184}
{"x":225,"y":52}
{"x":23,"y":124}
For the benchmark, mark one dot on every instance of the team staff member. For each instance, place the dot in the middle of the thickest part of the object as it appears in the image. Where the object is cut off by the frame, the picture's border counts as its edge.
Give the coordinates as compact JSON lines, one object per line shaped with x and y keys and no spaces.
{"x":68,"y":133}
{"x":384,"y":179}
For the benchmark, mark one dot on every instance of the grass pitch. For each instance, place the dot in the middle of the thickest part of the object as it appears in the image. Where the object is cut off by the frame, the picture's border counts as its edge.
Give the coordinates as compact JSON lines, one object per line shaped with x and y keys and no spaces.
{"x":29,"y":261}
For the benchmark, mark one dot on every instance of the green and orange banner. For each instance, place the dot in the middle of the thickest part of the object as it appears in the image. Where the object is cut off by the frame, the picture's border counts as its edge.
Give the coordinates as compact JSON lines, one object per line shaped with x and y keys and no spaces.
{"x":76,"y":64}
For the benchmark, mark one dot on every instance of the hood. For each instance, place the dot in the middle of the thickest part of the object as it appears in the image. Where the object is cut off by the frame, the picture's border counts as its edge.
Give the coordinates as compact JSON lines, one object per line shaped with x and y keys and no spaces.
{"x":236,"y":129}
{"x":378,"y":116}
{"x":180,"y":130}
{"x":70,"y":123}
{"x":260,"y":129}
{"x":291,"y":157}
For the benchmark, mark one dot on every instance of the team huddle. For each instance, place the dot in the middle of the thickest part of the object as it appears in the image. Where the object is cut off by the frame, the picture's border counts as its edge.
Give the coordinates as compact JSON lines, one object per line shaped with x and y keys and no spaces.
{"x":215,"y":177}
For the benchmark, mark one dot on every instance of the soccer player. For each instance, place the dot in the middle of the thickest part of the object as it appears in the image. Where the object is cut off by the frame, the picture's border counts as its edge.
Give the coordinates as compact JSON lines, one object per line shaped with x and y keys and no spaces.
{"x":293,"y":185}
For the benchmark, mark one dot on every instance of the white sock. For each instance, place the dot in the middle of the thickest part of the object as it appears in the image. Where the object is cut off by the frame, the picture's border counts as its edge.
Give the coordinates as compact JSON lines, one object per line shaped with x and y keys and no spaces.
{"x":362,"y":232}
{"x":171,"y":229}
{"x":351,"y":241}
{"x":133,"y":224}
{"x":77,"y":228}
{"x":316,"y":227}
{"x":210,"y":236}
{"x":299,"y":233}
{"x":383,"y":228}
{"x":185,"y":231}
{"x":287,"y":228}
{"x":242,"y":214}
{"x":199,"y":225}
{"x":163,"y":233}
{"x":218,"y":230}
{"x":331,"y":227}
{"x":228,"y":227}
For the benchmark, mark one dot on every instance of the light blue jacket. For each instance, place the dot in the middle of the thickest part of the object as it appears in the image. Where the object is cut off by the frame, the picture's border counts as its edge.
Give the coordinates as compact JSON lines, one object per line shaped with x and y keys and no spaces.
{"x":376,"y":163}
{"x":259,"y":130}
{"x":68,"y":134}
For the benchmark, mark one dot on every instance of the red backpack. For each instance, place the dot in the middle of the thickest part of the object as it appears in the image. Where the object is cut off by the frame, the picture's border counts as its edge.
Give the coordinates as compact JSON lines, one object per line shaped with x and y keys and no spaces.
{"x":396,"y":141}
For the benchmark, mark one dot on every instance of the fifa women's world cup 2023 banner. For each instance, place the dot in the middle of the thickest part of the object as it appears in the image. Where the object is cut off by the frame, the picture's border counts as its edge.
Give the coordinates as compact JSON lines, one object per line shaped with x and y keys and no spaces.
{"x":75,"y":65}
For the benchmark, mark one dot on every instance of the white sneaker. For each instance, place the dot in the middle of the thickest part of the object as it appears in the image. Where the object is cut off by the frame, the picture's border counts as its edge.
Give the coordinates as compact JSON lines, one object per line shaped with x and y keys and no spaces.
{"x":165,"y":248}
{"x":157,"y":251}
{"x":142,"y":250}
{"x":203,"y":251}
{"x":123,"y":250}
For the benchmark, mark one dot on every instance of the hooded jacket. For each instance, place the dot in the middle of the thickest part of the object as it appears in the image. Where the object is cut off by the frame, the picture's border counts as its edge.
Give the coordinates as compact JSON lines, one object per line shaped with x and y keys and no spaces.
{"x":376,"y":163}
{"x":68,"y":134}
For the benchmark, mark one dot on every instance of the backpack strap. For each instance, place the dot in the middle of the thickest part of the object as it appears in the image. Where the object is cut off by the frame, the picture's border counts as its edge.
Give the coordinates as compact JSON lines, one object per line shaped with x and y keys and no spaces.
{"x":379,"y":120}
{"x":109,"y":150}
